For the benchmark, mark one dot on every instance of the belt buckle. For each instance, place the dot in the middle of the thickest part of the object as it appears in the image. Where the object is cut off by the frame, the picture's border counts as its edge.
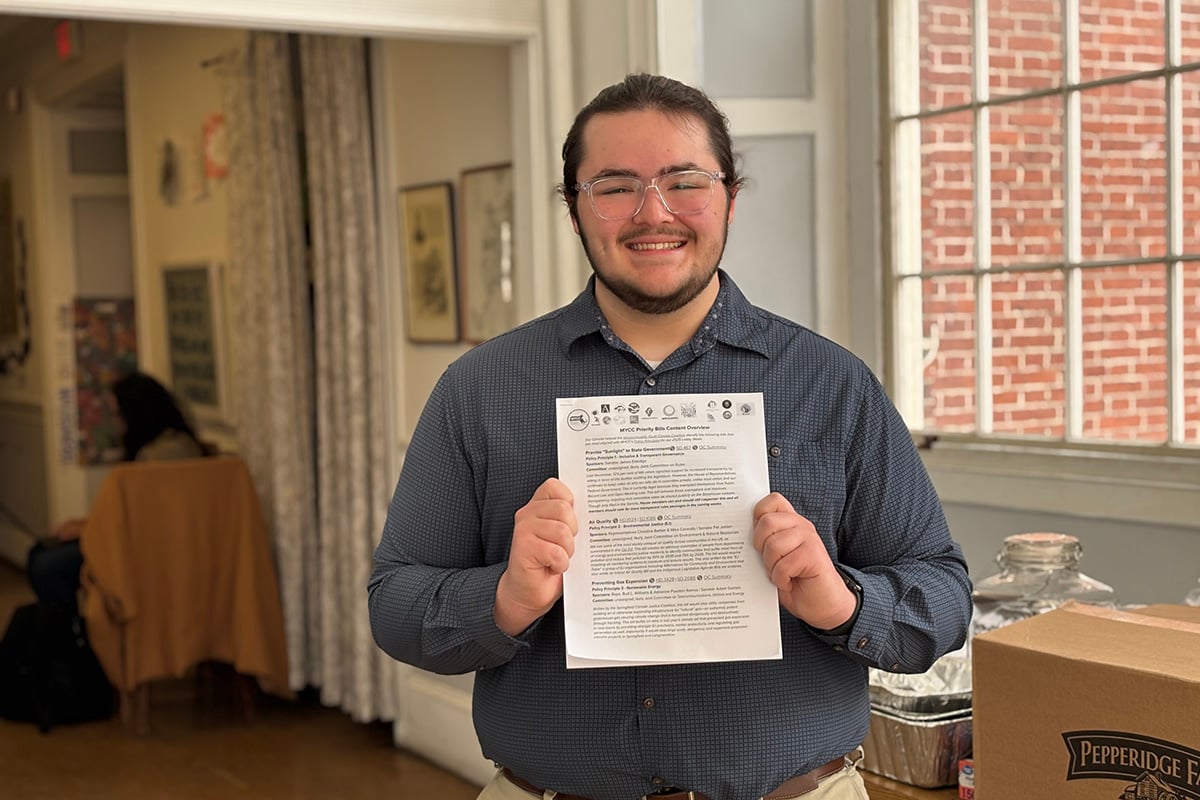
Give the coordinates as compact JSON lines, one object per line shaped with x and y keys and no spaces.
{"x":691,"y":795}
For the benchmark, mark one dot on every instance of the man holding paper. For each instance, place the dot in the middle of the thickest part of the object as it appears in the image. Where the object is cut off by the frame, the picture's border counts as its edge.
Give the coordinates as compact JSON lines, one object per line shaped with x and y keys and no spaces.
{"x":469,"y":574}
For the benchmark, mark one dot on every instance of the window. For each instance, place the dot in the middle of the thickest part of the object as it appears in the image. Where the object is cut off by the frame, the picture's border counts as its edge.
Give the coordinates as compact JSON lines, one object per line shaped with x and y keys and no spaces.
{"x":1046,"y":219}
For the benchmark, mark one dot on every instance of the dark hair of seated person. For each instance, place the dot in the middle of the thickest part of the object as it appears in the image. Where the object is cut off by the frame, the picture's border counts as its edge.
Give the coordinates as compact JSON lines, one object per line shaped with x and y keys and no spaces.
{"x":149,"y":410}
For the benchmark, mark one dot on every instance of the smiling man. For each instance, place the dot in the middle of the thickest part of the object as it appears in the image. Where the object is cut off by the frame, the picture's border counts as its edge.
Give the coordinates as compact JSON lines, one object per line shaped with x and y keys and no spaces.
{"x":469,"y":573}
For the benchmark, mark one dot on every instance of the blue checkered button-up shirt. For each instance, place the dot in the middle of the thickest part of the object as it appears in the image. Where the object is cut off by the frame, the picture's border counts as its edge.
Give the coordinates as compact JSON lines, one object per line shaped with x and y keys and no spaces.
{"x":837,"y":449}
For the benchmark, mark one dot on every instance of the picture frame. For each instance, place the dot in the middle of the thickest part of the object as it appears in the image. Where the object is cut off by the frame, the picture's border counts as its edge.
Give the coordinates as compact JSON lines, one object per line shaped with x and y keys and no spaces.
{"x":427,"y":233}
{"x":10,"y":317}
{"x":487,"y":277}
{"x":194,"y":315}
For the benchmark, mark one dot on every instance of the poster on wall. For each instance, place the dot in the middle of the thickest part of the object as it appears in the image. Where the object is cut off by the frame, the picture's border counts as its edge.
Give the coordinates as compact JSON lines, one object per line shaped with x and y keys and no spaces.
{"x":191,"y":294}
{"x":105,"y":349}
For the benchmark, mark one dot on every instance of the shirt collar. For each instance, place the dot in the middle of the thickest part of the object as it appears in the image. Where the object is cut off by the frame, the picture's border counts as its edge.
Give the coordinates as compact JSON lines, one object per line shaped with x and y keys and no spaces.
{"x":732,"y":320}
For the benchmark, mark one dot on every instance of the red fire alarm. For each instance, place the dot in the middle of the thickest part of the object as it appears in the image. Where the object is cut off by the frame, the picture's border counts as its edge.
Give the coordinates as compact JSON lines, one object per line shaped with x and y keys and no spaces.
{"x":68,"y":39}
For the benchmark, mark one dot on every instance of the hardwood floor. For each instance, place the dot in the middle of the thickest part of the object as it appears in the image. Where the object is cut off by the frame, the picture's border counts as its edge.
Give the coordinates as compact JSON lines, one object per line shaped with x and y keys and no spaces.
{"x":290,"y":751}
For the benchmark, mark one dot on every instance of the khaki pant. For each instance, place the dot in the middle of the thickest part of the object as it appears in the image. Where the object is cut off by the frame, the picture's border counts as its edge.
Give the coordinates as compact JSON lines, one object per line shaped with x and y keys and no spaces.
{"x":844,"y":785}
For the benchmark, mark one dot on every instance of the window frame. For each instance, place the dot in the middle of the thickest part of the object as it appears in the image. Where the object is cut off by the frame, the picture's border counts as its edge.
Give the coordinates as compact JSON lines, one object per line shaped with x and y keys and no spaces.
{"x":1147,"y":483}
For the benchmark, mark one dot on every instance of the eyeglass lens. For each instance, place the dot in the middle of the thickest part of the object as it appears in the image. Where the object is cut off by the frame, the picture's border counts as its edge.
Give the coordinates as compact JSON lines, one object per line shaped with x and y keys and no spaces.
{"x":686,"y":192}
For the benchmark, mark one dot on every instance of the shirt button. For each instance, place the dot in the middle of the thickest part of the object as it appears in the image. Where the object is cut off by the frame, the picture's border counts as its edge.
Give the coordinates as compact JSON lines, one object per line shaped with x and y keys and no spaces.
{"x":838,"y":648}
{"x":862,"y":642}
{"x":648,"y":702}
{"x":896,"y":665}
{"x":775,"y":450}
{"x":651,"y":381}
{"x":657,"y":781}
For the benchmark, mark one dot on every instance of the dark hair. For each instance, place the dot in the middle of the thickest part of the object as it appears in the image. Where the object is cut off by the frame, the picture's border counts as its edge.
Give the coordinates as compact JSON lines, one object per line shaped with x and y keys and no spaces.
{"x":640,"y":92}
{"x":148,"y":410}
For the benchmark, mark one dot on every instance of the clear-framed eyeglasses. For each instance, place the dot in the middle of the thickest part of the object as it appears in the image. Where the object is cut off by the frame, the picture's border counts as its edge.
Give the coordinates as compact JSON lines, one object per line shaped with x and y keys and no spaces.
{"x":688,"y":191}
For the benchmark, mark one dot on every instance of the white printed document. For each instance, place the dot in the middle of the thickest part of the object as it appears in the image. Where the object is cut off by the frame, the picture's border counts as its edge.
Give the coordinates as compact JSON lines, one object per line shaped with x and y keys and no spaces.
{"x":665,"y":570}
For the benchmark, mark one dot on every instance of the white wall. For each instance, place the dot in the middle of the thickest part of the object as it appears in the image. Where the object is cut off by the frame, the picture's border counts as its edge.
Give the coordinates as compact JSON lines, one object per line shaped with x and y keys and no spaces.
{"x":168,"y":95}
{"x":448,"y":108}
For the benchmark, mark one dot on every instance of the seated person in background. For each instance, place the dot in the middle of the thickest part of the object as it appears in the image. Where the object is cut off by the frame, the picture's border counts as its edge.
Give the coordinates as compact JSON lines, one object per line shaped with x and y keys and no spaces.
{"x":153,"y":429}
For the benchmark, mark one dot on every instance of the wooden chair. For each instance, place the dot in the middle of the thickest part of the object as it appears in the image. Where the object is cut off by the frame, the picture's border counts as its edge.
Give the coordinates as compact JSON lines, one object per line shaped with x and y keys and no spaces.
{"x":178,"y":572}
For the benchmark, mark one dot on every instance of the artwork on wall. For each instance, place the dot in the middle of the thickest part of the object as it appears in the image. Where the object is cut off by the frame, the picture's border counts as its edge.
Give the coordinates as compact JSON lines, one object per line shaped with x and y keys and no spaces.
{"x":192,"y":295}
{"x":427,"y":233}
{"x":105,"y":349}
{"x":8,"y":263}
{"x":216,"y":146}
{"x":486,"y":279}
{"x":15,"y":324}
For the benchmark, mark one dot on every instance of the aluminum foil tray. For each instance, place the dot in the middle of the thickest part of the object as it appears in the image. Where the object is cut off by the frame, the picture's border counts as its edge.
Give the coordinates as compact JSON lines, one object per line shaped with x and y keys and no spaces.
{"x":886,"y":699}
{"x":918,"y":749}
{"x":945,"y":686}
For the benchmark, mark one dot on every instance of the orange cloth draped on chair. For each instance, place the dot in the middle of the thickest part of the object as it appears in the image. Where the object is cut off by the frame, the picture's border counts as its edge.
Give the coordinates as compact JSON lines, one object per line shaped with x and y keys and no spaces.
{"x":178,"y":569}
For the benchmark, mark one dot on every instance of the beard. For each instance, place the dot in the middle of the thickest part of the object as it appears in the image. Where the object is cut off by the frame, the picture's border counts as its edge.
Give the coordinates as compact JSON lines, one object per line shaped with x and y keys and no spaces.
{"x":632,"y":295}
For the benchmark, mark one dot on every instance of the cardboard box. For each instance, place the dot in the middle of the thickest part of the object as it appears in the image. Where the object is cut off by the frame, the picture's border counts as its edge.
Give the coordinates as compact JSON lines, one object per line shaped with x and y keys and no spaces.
{"x":1083,"y":703}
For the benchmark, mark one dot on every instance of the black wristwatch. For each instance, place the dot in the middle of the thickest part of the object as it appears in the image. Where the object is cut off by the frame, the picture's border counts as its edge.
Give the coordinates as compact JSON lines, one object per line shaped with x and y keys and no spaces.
{"x":856,"y":587}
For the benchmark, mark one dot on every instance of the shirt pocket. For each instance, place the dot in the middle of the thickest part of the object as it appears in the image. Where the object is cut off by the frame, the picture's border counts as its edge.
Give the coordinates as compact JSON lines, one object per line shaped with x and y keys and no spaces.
{"x":803,"y":471}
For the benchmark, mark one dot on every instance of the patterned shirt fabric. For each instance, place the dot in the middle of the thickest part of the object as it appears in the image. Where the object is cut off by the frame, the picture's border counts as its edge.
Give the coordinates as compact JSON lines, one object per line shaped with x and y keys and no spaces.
{"x":837,"y":450}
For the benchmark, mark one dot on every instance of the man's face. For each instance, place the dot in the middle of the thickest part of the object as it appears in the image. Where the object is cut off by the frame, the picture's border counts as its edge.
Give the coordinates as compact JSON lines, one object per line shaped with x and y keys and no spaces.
{"x":656,"y":262}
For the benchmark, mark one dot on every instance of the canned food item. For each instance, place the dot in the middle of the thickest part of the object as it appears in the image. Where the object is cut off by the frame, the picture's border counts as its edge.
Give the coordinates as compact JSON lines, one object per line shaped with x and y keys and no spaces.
{"x":966,"y":779}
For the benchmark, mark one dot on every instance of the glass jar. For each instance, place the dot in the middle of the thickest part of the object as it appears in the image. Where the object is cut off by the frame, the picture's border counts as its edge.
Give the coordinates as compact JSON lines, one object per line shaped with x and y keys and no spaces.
{"x":1193,"y":597}
{"x":1038,"y":572}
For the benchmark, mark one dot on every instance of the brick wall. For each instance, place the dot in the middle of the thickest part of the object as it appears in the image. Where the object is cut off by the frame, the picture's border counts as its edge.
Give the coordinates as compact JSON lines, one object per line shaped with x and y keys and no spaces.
{"x":1123,"y":208}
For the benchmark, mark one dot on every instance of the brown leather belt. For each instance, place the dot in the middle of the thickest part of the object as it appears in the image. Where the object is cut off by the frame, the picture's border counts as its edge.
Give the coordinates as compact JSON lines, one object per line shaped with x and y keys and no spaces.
{"x":796,"y":787}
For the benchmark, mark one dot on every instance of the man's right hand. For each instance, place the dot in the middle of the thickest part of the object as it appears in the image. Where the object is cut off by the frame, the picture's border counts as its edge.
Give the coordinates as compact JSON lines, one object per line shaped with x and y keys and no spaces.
{"x":543,"y":542}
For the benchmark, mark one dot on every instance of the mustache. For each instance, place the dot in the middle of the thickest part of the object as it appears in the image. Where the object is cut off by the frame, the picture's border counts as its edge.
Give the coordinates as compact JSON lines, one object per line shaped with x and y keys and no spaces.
{"x":674,"y":233}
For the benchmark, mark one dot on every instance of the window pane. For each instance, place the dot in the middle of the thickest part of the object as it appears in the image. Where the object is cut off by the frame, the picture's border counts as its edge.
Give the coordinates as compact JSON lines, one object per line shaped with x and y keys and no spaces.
{"x":1120,"y":38}
{"x":1024,"y":45}
{"x":945,"y":53}
{"x":1190,"y":107}
{"x":1189,"y":30}
{"x":947,"y":202}
{"x":948,"y":324}
{"x":1124,"y":353}
{"x":1191,"y":353}
{"x":1027,"y":354}
{"x":1027,"y":198}
{"x":1123,"y":177}
{"x":745,"y":58}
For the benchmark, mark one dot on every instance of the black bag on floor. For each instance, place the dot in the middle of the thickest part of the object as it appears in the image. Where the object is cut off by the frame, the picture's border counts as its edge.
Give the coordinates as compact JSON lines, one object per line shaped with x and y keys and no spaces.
{"x":48,"y":673}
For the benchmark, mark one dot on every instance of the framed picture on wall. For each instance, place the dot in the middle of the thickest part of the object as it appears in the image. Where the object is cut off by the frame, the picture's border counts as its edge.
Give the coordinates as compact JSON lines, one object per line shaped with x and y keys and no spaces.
{"x":427,"y":235}
{"x":192,"y":294}
{"x":486,"y":278}
{"x":9,"y":316}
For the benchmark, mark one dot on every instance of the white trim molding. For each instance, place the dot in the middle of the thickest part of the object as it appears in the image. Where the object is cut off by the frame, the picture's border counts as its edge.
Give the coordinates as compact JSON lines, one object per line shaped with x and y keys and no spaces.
{"x":457,"y":19}
{"x":1154,"y":487}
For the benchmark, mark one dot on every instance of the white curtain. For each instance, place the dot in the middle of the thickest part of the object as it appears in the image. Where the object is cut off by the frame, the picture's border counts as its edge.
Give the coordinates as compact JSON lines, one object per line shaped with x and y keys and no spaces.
{"x":352,"y":478}
{"x":311,"y":406}
{"x":272,"y":323}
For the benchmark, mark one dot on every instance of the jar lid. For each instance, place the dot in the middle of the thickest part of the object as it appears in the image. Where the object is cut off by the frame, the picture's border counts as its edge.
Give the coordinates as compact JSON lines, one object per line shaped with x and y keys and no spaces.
{"x":1041,"y":549}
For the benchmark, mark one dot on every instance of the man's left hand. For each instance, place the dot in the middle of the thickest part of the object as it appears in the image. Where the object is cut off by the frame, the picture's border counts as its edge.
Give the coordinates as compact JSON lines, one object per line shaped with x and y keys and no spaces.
{"x":810,"y":587}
